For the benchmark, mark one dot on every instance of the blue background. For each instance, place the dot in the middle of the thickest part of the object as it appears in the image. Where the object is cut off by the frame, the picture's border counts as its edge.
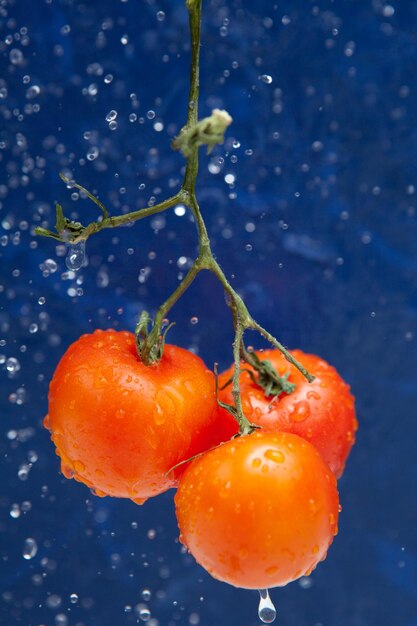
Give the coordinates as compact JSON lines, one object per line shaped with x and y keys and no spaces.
{"x":316,"y":227}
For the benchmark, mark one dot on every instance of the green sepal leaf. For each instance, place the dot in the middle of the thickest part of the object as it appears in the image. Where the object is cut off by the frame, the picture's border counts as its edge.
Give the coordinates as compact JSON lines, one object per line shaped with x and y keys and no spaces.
{"x":72,"y":183}
{"x":60,"y":219}
{"x":267,"y":376}
{"x":44,"y":232}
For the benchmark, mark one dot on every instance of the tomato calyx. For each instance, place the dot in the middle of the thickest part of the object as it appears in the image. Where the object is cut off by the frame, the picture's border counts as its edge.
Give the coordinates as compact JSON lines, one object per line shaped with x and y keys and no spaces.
{"x":266,"y":376}
{"x":68,"y":231}
{"x":150,"y":345}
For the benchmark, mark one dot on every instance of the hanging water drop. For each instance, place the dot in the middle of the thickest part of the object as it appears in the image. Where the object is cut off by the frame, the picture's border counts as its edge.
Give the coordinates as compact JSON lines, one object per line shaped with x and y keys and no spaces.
{"x":266,"y":610}
{"x":76,"y":257}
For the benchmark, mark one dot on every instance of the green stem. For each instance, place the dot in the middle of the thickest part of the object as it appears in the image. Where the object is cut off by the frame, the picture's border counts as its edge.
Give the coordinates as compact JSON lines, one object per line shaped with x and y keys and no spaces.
{"x":134,"y":216}
{"x":281,"y":348}
{"x":84,"y":232}
{"x":194,"y":12}
{"x":147,"y":351}
{"x":73,"y":184}
{"x":245,"y":427}
{"x":205,"y":253}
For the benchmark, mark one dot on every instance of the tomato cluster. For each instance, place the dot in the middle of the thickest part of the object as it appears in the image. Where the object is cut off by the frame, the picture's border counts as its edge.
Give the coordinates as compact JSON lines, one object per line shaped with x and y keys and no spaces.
{"x":257,"y":510}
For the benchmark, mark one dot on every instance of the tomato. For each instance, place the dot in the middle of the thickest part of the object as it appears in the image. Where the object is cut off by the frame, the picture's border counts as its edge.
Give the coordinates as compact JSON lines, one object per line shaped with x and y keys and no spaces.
{"x":258,"y":511}
{"x":120,"y":426}
{"x":322,"y":412}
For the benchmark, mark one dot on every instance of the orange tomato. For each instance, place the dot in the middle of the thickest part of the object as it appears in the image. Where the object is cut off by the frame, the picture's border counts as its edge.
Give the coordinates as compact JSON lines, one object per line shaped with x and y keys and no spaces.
{"x":258,"y":511}
{"x":323,"y":412}
{"x":120,"y":426}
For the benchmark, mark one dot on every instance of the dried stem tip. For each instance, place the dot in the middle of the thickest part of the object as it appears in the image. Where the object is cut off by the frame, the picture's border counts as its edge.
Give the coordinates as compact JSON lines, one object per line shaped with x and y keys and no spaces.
{"x":207,"y":132}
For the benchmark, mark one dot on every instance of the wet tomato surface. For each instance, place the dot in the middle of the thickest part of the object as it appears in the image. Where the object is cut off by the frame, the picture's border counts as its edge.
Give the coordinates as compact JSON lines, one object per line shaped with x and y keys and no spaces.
{"x":120,"y":426}
{"x":258,"y":511}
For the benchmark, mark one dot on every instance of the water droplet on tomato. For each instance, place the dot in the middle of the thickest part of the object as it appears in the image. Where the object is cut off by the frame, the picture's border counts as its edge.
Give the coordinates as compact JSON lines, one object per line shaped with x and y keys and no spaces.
{"x":301,"y":411}
{"x":289,"y":554}
{"x":266,"y":611}
{"x":275,"y":455}
{"x":79,"y":466}
{"x":158,"y":417}
{"x":256,"y":462}
{"x":98,"y":492}
{"x":46,"y":422}
{"x":225,"y":490}
{"x":67,"y":471}
{"x":314,"y":507}
{"x":139,"y":501}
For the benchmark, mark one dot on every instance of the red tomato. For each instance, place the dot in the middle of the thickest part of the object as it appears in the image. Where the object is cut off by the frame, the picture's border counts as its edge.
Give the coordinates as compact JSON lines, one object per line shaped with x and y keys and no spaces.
{"x":118,"y":425}
{"x":258,"y":511}
{"x":322,"y":411}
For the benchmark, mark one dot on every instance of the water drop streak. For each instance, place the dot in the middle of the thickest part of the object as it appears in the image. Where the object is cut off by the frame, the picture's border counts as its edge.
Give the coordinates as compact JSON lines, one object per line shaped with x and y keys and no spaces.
{"x":266,"y":611}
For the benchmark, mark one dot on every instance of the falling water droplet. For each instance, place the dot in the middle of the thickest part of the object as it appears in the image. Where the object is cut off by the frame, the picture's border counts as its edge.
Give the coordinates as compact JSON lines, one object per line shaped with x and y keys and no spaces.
{"x":265,"y":78}
{"x":146,"y":594}
{"x":266,"y":610}
{"x":30,"y":548}
{"x":12,"y":365}
{"x":76,"y":256}
{"x":111,"y":116}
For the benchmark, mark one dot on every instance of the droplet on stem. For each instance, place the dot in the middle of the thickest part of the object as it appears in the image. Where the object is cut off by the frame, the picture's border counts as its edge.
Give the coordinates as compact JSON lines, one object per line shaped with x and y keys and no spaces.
{"x":266,"y":611}
{"x":76,"y":256}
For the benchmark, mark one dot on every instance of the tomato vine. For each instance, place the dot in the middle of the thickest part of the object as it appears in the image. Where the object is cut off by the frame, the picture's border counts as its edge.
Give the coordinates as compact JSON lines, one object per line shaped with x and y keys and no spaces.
{"x":208,"y":131}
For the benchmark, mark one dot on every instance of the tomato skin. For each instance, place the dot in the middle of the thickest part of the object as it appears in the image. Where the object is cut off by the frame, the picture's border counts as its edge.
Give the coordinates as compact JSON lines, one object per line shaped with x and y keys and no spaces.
{"x":118,"y":425}
{"x":258,"y":511}
{"x":323,"y":412}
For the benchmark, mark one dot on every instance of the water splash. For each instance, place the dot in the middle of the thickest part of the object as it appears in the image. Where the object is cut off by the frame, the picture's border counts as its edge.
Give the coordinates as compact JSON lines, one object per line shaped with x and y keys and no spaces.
{"x":266,"y":610}
{"x":76,"y":256}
